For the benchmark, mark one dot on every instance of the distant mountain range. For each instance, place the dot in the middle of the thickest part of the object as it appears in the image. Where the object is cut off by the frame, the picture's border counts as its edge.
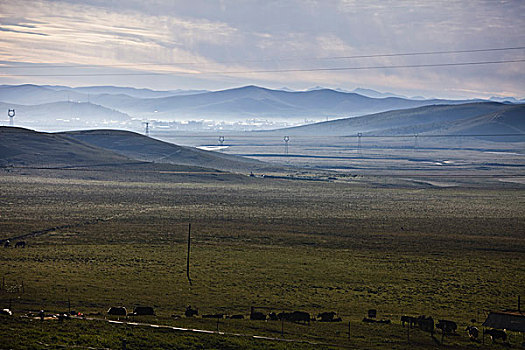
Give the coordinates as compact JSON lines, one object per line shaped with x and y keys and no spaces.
{"x":465,"y":119}
{"x":85,"y":106}
{"x":253,"y":101}
{"x":80,"y":114}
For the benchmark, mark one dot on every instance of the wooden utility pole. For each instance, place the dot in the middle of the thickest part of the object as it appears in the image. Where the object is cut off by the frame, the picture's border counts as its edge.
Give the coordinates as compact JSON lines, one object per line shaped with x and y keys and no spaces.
{"x":188,"y":259}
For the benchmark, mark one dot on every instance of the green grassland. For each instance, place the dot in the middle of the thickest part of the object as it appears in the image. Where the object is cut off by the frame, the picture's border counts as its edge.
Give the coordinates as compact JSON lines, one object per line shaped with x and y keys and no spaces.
{"x":452,"y":253}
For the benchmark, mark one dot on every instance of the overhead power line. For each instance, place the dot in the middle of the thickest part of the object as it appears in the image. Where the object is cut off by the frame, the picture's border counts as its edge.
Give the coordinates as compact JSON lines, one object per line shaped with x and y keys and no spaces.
{"x":273,"y":70}
{"x":421,"y":53}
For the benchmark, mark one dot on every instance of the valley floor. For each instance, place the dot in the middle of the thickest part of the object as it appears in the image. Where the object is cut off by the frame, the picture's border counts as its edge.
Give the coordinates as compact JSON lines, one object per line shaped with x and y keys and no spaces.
{"x":98,"y":241}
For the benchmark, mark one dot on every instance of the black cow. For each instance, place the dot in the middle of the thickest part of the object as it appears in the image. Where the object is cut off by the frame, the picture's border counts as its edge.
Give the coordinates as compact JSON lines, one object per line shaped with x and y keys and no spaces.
{"x":426,"y":324}
{"x":256,"y":315}
{"x":272,"y":316}
{"x":409,"y":320}
{"x":326,"y":316}
{"x":20,"y":244}
{"x":473,"y":332}
{"x":447,"y":327}
{"x":497,"y":334}
{"x":296,"y":316}
{"x":117,"y":311}
{"x":329,"y":317}
{"x":284,"y":316}
{"x":143,"y":311}
{"x":191,"y":312}
{"x":7,"y":243}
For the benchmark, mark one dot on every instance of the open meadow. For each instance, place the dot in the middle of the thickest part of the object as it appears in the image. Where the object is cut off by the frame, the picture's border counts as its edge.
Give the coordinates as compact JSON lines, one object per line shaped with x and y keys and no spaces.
{"x":115,"y":238}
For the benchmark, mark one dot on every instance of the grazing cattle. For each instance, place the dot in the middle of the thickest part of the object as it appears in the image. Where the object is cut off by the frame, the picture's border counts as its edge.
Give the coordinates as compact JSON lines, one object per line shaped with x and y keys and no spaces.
{"x":272,"y":316}
{"x":7,"y":243}
{"x":191,"y":312}
{"x":117,"y":311}
{"x":20,"y":244}
{"x":257,"y":315}
{"x":296,"y":316}
{"x":447,"y":327}
{"x":284,"y":316}
{"x":300,"y":316}
{"x":426,"y":324}
{"x":143,"y":311}
{"x":326,"y":316}
{"x":409,"y":320}
{"x":497,"y":334}
{"x":473,"y":332}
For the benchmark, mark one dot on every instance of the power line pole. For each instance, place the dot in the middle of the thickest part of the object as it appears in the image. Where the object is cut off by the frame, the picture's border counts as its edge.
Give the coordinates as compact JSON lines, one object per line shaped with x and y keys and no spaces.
{"x":11,"y":115}
{"x":188,"y":258}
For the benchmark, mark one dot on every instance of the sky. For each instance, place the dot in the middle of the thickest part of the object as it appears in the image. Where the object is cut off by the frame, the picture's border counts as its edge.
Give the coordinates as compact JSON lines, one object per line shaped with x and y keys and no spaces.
{"x":215,"y":45}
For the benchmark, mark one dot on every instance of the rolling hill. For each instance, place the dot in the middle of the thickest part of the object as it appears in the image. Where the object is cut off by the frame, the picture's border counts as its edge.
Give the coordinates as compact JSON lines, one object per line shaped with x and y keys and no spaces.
{"x":140,"y":147}
{"x":23,"y":147}
{"x":464,"y":119}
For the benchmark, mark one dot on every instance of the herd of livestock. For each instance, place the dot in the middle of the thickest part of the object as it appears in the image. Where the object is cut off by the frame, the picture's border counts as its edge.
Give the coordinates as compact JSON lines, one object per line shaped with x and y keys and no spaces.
{"x":19,"y":244}
{"x":424,"y":323}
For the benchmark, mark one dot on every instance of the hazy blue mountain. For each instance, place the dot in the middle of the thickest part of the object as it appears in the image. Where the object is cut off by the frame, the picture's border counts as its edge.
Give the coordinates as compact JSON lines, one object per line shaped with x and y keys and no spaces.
{"x":29,"y":94}
{"x":74,"y":113}
{"x":253,"y":101}
{"x":376,"y":94}
{"x":506,"y":99}
{"x":284,"y":88}
{"x":464,"y":118}
{"x":232,"y":104}
{"x":133,"y":92}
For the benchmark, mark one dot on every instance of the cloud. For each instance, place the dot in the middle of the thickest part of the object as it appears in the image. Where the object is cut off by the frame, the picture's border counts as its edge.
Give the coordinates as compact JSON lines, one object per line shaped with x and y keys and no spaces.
{"x":3,"y":29}
{"x":228,"y":35}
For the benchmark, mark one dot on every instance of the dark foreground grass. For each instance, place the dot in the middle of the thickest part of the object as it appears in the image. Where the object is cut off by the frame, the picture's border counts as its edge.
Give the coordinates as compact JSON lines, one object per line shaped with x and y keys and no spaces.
{"x":449,"y":253}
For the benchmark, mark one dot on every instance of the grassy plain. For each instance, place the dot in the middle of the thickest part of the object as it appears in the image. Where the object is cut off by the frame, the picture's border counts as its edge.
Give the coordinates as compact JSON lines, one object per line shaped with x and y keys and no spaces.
{"x":451,"y":253}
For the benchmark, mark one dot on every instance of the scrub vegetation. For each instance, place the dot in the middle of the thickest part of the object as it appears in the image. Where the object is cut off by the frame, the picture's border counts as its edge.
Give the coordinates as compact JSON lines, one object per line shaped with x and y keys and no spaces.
{"x":452,"y":253}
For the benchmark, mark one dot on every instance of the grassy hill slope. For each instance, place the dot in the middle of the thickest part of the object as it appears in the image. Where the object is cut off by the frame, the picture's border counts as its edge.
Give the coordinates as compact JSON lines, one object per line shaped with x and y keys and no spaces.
{"x":144,"y":148}
{"x":415,"y":120}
